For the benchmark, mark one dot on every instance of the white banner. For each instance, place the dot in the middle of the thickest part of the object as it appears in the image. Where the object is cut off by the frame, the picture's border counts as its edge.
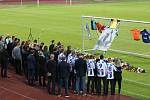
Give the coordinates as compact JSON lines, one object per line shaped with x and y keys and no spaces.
{"x":105,"y":39}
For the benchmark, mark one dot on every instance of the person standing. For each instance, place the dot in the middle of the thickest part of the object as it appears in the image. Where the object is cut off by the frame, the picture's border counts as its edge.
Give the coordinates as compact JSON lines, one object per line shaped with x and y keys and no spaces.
{"x":118,"y":75}
{"x":46,"y":53}
{"x":71,"y":61}
{"x":63,"y":76}
{"x":4,"y":62}
{"x":25,"y":52}
{"x":90,"y":74}
{"x":68,"y":51}
{"x":1,"y":43}
{"x":110,"y":76}
{"x":31,"y":62}
{"x":101,"y":67}
{"x":80,"y":69}
{"x":52,"y":46}
{"x":42,"y":69}
{"x":16,"y":54}
{"x":51,"y":74}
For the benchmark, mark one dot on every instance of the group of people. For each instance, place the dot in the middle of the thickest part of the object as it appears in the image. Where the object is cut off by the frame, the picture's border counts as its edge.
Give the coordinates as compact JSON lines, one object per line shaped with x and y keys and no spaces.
{"x":54,"y":67}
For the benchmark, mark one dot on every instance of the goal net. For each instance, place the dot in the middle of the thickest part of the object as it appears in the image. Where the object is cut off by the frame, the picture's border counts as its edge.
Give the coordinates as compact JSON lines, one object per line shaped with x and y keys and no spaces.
{"x":123,"y":43}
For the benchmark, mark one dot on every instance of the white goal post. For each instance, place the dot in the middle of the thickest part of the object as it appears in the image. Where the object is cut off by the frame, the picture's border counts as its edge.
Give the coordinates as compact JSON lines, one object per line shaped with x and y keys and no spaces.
{"x":121,"y":20}
{"x":68,"y":2}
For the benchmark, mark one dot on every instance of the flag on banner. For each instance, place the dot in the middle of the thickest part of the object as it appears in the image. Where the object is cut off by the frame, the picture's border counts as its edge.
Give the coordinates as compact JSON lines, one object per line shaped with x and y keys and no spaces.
{"x":93,"y":25}
{"x":100,"y":27}
{"x":145,"y":36}
{"x":136,"y":34}
{"x":88,"y":31}
{"x":105,"y":39}
{"x":114,"y":23}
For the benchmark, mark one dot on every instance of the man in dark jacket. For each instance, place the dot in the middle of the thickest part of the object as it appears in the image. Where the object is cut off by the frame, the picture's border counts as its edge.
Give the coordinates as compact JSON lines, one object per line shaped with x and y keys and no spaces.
{"x":4,"y":62}
{"x":51,"y":47}
{"x":63,"y":74}
{"x":31,"y":62}
{"x":42,"y":69}
{"x":51,"y":73}
{"x":118,"y":75}
{"x":80,"y":68}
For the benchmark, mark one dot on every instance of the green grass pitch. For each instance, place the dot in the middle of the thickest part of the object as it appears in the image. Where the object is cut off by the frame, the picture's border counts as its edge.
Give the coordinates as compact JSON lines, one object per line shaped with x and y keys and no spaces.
{"x":61,"y":22}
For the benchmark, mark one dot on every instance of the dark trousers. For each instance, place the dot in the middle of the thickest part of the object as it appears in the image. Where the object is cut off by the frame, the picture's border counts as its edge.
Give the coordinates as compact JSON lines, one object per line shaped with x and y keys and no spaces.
{"x":119,"y":85}
{"x":51,"y":81}
{"x":24,"y":65}
{"x":4,"y":66}
{"x":40,"y":80}
{"x":31,"y":76}
{"x":99,"y":85}
{"x":65,"y":80}
{"x":71,"y":81}
{"x":80,"y":84}
{"x":36,"y":72}
{"x":95,"y":83}
{"x":90,"y":84}
{"x":18,"y":66}
{"x":112,"y":86}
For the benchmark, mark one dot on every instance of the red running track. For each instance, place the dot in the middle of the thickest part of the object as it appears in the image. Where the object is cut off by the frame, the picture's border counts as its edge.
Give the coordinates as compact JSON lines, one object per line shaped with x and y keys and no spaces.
{"x":15,"y":88}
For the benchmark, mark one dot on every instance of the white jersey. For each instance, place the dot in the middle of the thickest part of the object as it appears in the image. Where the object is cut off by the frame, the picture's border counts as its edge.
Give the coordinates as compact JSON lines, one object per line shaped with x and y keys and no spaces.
{"x":101,"y":68}
{"x":71,"y":60}
{"x":110,"y":70}
{"x":60,"y":57}
{"x":90,"y":67}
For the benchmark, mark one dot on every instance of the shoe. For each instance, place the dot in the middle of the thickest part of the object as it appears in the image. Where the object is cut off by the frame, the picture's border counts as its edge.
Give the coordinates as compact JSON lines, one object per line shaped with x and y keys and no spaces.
{"x":98,"y":94}
{"x":59,"y":95}
{"x":113,"y":94}
{"x":75,"y":93}
{"x":105,"y":94}
{"x":81,"y":92}
{"x":67,"y":96}
{"x":84,"y":94}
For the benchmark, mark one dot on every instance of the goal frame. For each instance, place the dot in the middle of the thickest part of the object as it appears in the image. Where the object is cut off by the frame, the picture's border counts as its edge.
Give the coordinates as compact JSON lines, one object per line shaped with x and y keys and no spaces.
{"x":105,"y":18}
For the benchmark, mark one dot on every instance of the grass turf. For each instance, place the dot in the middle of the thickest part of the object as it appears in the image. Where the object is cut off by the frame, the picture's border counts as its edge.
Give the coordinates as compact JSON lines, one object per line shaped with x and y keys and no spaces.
{"x":63,"y":23}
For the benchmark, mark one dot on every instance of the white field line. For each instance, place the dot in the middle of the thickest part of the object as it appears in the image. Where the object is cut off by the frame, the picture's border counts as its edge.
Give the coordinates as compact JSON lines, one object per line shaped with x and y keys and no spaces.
{"x":12,"y":91}
{"x":136,"y":82}
{"x":125,"y":52}
{"x":133,"y":93}
{"x":131,"y":53}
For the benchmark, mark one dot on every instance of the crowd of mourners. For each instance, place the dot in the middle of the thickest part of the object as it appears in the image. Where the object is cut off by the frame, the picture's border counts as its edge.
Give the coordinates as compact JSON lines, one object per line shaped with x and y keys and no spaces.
{"x":56,"y":68}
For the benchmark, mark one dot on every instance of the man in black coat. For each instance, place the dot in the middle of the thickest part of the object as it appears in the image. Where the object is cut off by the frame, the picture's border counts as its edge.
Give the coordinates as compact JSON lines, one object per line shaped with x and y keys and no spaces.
{"x":42,"y":69}
{"x":51,"y":73}
{"x":63,"y":75}
{"x":4,"y":62}
{"x":51,"y":47}
{"x":31,"y":62}
{"x":80,"y":68}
